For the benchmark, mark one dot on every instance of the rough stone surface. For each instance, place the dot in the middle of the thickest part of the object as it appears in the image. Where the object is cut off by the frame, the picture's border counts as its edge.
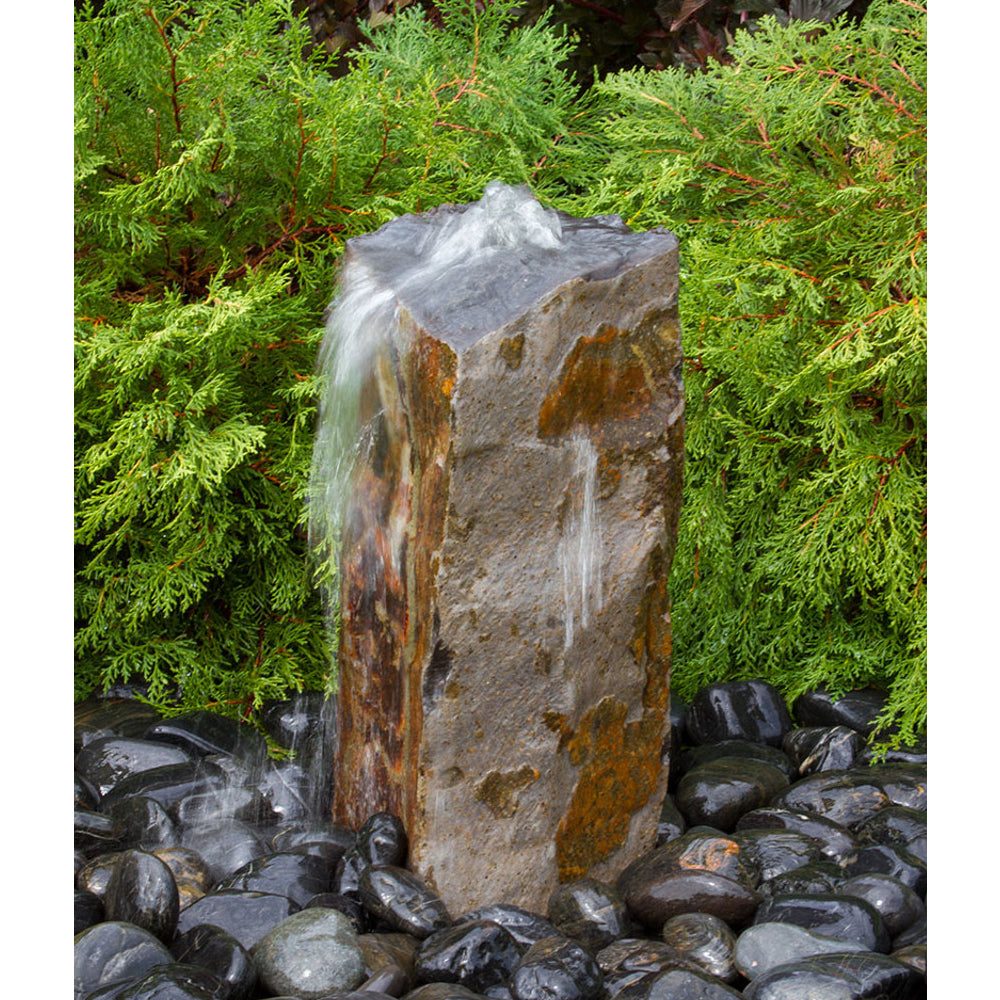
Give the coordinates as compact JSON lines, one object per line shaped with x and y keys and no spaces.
{"x":503,"y":695}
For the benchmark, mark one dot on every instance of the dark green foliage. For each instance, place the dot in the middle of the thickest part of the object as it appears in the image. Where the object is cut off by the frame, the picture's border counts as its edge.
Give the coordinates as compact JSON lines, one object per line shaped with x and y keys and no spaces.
{"x":796,"y":179}
{"x":219,"y":168}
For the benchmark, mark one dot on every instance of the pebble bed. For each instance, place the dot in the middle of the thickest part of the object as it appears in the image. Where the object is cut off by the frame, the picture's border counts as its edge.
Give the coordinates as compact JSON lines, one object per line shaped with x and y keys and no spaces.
{"x":788,"y":865}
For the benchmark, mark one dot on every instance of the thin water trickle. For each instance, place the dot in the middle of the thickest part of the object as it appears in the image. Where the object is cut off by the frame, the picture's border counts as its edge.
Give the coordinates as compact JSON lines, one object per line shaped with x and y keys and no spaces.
{"x":580,"y":546}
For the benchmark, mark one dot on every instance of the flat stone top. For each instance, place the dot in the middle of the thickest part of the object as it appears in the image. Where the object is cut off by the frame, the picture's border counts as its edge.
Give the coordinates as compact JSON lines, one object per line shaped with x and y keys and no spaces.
{"x":463,"y":271}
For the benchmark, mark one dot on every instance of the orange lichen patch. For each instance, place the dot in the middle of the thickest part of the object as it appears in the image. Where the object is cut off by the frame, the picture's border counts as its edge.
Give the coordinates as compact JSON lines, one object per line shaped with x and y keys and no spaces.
{"x":601,"y":380}
{"x":498,"y":790}
{"x":619,"y":768}
{"x":512,"y":350}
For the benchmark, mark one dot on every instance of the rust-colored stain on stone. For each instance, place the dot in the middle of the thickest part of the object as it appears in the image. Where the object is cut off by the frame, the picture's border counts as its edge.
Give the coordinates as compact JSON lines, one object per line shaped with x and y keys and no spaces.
{"x":601,"y":380}
{"x":512,"y":350}
{"x":619,"y":768}
{"x":498,"y":790}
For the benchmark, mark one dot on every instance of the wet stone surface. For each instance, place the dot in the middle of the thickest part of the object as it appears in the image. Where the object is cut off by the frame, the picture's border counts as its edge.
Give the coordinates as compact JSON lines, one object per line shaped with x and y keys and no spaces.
{"x":817,"y":891}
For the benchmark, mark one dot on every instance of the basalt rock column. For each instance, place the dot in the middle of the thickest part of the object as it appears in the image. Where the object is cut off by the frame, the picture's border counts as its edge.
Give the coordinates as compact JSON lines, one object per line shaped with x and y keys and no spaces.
{"x":504,"y":475}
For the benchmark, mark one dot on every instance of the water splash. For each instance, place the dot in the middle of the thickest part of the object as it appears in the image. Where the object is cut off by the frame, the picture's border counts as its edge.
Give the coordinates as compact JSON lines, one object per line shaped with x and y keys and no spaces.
{"x":580,"y":546}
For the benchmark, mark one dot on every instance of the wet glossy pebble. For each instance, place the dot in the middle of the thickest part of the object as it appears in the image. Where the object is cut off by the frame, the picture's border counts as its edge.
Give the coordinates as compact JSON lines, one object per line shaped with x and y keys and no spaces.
{"x":478,"y":954}
{"x":402,"y":900}
{"x":839,"y":977}
{"x":738,"y":710}
{"x":98,"y":718}
{"x":351,"y":908}
{"x":175,"y":981}
{"x":310,"y":954}
{"x":679,"y":983}
{"x":844,"y":797}
{"x":297,"y":876}
{"x":143,"y":823}
{"x":191,"y":874}
{"x":247,"y":916}
{"x":104,"y":762}
{"x":225,"y":846}
{"x":170,"y":784}
{"x":204,"y":733}
{"x":718,"y":792}
{"x":844,"y":918}
{"x":819,"y":876}
{"x":914,"y":955}
{"x":113,"y":951}
{"x":94,"y":832}
{"x":765,"y":946}
{"x":589,"y":911}
{"x":835,"y":841}
{"x":886,"y":859}
{"x":898,"y":826}
{"x":96,"y":873}
{"x":524,"y":926}
{"x":858,"y":710}
{"x":442,"y":991}
{"x":671,"y":824}
{"x":705,"y":940}
{"x":744,"y":749}
{"x":899,"y":906}
{"x":775,"y":852}
{"x":903,"y":784}
{"x":557,"y":969}
{"x":87,"y":910}
{"x":221,"y":954}
{"x":142,"y":891}
{"x":382,"y":840}
{"x":819,"y":748}
{"x":389,"y":951}
{"x":692,"y":891}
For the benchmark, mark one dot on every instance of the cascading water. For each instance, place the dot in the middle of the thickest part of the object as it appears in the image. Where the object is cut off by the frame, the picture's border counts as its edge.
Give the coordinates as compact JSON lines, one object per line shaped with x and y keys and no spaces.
{"x":442,"y":262}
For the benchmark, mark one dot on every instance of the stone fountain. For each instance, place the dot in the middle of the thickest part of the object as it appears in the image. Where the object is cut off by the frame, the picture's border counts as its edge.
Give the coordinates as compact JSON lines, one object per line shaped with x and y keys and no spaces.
{"x":499,"y":465}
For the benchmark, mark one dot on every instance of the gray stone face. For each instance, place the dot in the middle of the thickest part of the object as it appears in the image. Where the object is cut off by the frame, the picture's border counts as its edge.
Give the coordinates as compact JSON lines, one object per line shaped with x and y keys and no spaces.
{"x":312,"y":953}
{"x":505,"y":642}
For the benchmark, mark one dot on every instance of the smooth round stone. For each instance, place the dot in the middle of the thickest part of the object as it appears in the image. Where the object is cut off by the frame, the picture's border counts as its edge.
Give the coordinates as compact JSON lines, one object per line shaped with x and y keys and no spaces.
{"x":718,"y":792}
{"x":819,"y":876}
{"x":705,"y":940}
{"x":640,"y":955}
{"x":393,"y":950}
{"x":696,"y":849}
{"x":297,"y":876}
{"x":775,"y":852}
{"x":557,"y":969}
{"x":858,"y":710}
{"x":142,"y":891}
{"x":915,"y":934}
{"x":104,"y":762}
{"x":914,"y":955}
{"x":478,"y":954}
{"x":224,"y":847}
{"x":885,"y":859}
{"x":835,"y":841}
{"x":671,"y":823}
{"x":589,"y":911}
{"x":247,"y":916}
{"x":203,"y":733}
{"x":442,"y":991}
{"x":174,"y":982}
{"x":347,"y":879}
{"x":143,"y":823}
{"x":221,"y":954}
{"x":170,"y":784}
{"x":94,"y":832}
{"x":744,"y":749}
{"x":336,"y":837}
{"x":763,"y":947}
{"x":897,"y":826}
{"x":844,"y":918}
{"x":351,"y":908}
{"x":390,"y":981}
{"x":820,"y":748}
{"x":402,"y":900}
{"x":112,"y":952}
{"x":898,"y":905}
{"x":738,"y":710}
{"x":97,"y":718}
{"x":915,"y":753}
{"x":692,"y":890}
{"x":843,"y":797}
{"x":292,"y":793}
{"x":85,"y":795}
{"x":191,"y":874}
{"x":679,"y":983}
{"x":839,"y":977}
{"x":310,"y":954}
{"x":382,"y":840}
{"x":524,"y":926}
{"x":96,"y":873}
{"x":87,"y":910}
{"x":235,"y":801}
{"x":903,"y":784}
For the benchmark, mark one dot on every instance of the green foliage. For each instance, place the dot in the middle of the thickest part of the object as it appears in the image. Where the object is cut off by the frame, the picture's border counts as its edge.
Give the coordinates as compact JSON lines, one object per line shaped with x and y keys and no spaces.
{"x":796,"y":179}
{"x":220,"y":164}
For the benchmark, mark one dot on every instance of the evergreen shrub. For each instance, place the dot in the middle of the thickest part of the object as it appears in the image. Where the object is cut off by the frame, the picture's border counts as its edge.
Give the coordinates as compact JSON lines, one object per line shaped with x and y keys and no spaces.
{"x":220,"y":164}
{"x":795,"y":177}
